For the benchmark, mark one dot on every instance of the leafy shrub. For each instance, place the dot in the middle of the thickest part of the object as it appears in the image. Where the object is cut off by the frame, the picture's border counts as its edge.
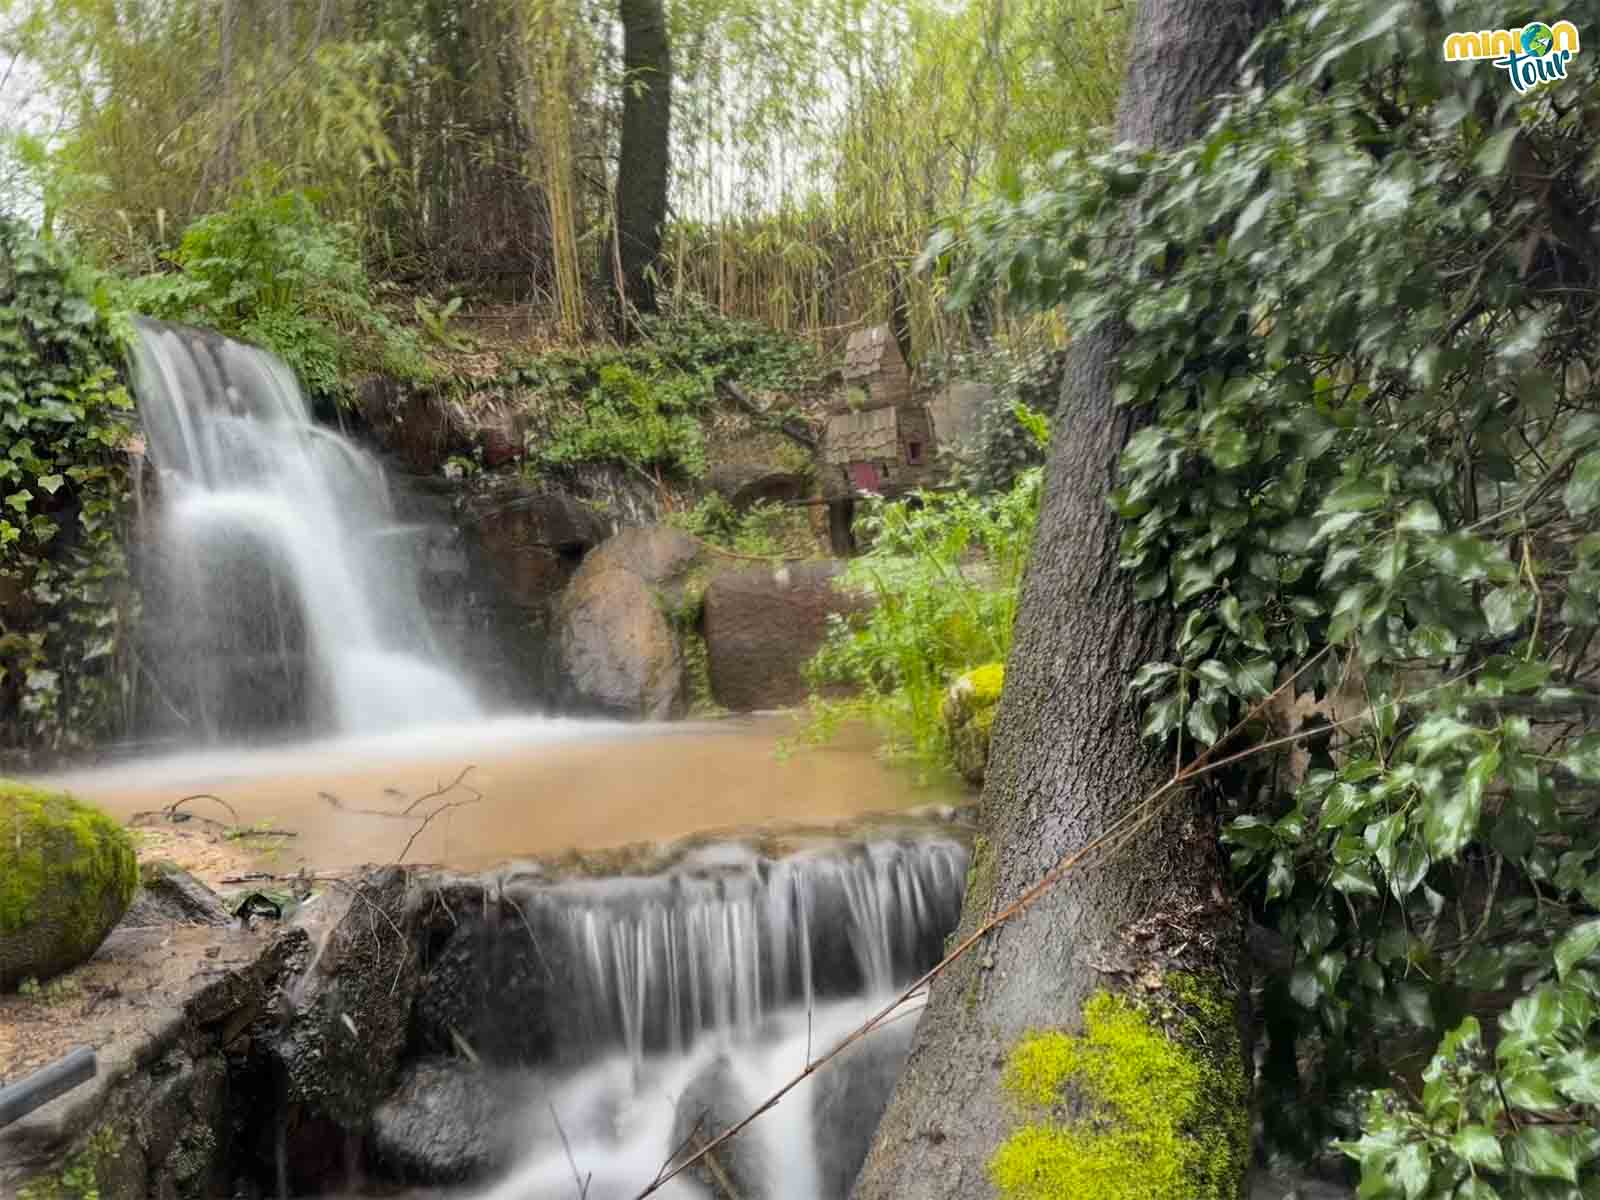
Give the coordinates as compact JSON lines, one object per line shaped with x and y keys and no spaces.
{"x":64,"y":597}
{"x":945,"y":570}
{"x":272,"y":271}
{"x":626,"y":419}
{"x":767,"y":529}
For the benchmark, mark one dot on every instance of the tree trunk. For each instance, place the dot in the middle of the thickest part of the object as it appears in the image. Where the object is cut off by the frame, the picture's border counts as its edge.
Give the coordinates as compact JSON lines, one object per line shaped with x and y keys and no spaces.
{"x":1148,"y":941}
{"x":644,"y":160}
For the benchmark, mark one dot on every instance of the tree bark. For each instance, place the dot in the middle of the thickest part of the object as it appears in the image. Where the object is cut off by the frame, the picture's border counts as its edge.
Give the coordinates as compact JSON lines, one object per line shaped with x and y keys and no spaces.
{"x":644,"y":159}
{"x":1067,"y":758}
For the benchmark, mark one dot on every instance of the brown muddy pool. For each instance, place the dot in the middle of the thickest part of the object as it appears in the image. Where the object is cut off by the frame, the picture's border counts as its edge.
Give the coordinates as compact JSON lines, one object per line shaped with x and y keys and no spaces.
{"x":536,"y":786}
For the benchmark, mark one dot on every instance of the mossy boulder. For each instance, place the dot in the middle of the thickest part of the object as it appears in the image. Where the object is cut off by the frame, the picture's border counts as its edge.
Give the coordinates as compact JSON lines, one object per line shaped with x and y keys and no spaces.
{"x":969,"y":708}
{"x":67,"y":874}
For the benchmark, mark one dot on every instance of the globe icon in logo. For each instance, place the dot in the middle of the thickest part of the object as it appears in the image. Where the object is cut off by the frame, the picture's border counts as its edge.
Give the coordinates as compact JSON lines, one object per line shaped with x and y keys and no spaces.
{"x":1537,"y":40}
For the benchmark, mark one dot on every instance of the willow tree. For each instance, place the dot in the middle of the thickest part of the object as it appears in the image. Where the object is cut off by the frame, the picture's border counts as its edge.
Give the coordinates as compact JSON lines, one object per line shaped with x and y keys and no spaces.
{"x":1091,"y":1046}
{"x":644,"y":158}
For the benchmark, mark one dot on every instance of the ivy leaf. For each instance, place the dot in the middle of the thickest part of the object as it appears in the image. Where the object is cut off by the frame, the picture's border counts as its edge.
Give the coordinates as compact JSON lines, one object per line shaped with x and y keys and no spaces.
{"x":51,"y":483}
{"x":1506,"y":609}
{"x":1579,"y":1075}
{"x":1420,"y":517}
{"x":1582,"y":494}
{"x":1491,"y":157}
{"x":1203,"y":724}
{"x":1576,"y":945}
{"x":19,"y":500}
{"x":1451,"y":815}
{"x":1478,"y":1145}
{"x":1542,"y":1151}
{"x":1356,"y":495}
{"x":1583,"y":758}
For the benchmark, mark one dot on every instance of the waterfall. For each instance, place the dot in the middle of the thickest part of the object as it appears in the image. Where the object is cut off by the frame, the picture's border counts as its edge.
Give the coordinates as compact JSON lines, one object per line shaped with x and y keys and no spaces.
{"x":277,"y":597}
{"x":662,"y":961}
{"x":710,"y":985}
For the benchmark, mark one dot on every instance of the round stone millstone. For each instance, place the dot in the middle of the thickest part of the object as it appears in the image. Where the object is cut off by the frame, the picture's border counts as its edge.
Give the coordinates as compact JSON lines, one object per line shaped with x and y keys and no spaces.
{"x":67,"y":874}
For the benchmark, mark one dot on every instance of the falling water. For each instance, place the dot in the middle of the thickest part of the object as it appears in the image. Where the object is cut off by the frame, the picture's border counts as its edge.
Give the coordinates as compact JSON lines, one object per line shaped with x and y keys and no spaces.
{"x":738,"y":970}
{"x":283,"y":598}
{"x":665,"y":960}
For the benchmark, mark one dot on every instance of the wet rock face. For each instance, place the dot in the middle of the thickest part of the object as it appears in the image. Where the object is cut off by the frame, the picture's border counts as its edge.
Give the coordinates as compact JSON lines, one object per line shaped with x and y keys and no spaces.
{"x":500,"y":985}
{"x":530,"y":540}
{"x":712,"y":1102}
{"x":349,"y":1011}
{"x":762,"y":625}
{"x":440,"y":1125}
{"x":850,"y":1096}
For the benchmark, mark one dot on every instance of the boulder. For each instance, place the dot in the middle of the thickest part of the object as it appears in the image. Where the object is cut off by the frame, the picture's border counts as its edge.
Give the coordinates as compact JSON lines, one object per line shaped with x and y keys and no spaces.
{"x":349,"y":1010}
{"x":667,"y":561}
{"x":616,"y":651}
{"x":439,"y":1125}
{"x":170,"y":895}
{"x":762,"y":625}
{"x":848,"y":1100}
{"x":712,"y":1102}
{"x":67,"y":874}
{"x":969,"y":708}
{"x":529,"y":540}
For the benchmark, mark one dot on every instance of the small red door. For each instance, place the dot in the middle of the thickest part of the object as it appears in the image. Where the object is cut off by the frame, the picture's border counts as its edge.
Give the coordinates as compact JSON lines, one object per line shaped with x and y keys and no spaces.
{"x":864,"y":477}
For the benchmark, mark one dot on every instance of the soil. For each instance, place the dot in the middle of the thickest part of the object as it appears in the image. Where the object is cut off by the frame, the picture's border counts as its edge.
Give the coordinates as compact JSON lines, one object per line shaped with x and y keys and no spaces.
{"x":134,"y":979}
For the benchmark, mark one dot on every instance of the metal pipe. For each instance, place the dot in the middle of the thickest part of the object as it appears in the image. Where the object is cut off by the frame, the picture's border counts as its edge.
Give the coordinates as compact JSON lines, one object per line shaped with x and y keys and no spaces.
{"x":45,"y":1084}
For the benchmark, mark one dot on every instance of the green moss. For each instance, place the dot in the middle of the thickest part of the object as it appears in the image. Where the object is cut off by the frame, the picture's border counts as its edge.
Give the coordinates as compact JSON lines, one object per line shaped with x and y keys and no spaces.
{"x":1158,"y":1095}
{"x":986,"y":684}
{"x":58,"y":852}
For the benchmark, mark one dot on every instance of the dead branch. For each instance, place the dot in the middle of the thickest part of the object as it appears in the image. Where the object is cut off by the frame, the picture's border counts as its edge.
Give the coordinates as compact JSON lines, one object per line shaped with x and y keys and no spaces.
{"x":580,"y":1180}
{"x":172,"y":809}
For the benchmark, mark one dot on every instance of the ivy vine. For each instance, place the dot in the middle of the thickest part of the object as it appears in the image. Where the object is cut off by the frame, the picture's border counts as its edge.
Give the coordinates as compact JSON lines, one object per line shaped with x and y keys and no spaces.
{"x":1364,"y":312}
{"x":65,"y":599}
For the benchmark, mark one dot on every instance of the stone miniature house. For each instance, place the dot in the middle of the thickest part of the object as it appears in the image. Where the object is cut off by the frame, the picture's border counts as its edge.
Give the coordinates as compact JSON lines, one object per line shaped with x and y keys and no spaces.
{"x":879,"y":437}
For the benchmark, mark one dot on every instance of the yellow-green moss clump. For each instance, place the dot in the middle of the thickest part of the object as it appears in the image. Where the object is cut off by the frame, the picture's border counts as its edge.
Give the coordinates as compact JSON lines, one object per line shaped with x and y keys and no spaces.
{"x":67,"y":874}
{"x":969,"y":708}
{"x":1158,"y":1092}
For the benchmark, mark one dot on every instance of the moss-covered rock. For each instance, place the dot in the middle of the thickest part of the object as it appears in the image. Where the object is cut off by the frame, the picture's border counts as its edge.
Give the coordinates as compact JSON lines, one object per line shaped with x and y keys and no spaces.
{"x":1148,"y":1103}
{"x":67,"y":874}
{"x":969,"y":708}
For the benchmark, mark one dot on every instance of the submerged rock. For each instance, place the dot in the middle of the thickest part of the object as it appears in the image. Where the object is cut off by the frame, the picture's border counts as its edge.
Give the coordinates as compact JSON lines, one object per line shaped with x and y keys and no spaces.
{"x":851,"y":1093}
{"x":67,"y":874}
{"x":439,"y":1126}
{"x":763,"y":624}
{"x":712,"y":1102}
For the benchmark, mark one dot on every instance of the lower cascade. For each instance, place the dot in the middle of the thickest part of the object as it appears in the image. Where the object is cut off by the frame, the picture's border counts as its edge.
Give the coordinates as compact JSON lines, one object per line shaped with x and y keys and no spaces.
{"x":622,"y":1022}
{"x":282,"y":594}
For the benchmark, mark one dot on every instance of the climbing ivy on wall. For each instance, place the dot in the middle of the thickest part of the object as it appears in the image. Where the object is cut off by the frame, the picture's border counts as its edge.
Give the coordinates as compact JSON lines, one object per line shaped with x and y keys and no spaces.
{"x":64,"y":413}
{"x":1363,"y":339}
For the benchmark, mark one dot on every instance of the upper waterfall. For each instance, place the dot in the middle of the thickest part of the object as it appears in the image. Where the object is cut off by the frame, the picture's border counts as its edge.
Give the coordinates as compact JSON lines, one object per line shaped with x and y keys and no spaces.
{"x":287,"y":600}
